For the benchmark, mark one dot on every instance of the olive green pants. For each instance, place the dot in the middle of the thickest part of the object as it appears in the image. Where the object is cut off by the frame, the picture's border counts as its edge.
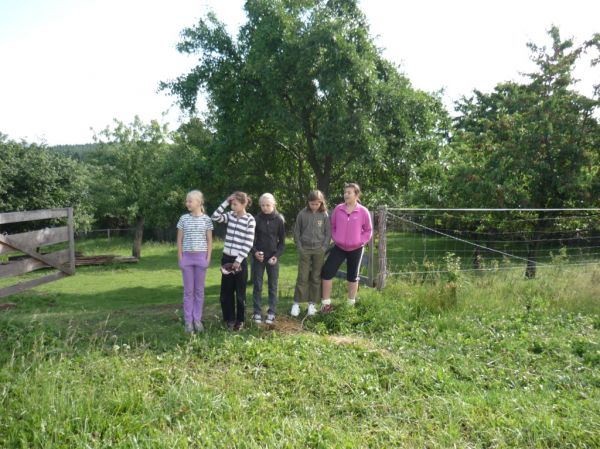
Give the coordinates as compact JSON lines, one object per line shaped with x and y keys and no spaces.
{"x":308,"y":282}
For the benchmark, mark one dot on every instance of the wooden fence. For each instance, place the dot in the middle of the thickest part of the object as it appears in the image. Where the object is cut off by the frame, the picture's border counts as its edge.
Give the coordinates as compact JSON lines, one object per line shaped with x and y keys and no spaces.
{"x":30,"y":245}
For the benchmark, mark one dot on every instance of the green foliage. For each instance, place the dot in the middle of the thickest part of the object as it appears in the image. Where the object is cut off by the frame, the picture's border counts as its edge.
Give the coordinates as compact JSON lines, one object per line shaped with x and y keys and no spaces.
{"x":128,"y":161}
{"x":529,"y":145}
{"x":302,"y":99}
{"x":127,"y":168}
{"x":32,"y":177}
{"x":189,"y":163}
{"x":80,"y":152}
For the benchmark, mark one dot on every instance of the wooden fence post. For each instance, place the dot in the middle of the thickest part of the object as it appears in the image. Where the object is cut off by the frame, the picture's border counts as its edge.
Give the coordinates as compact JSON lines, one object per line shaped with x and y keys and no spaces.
{"x":71,"y":226}
{"x":382,"y":265}
{"x":371,"y":257}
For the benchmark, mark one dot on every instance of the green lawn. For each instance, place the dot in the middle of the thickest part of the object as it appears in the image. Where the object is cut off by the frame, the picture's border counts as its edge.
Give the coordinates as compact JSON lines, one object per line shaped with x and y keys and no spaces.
{"x":100,"y":360}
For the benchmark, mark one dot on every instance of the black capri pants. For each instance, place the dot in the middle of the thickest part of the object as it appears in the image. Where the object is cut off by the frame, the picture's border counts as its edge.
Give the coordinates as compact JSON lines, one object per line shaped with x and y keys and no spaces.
{"x":335,"y":259}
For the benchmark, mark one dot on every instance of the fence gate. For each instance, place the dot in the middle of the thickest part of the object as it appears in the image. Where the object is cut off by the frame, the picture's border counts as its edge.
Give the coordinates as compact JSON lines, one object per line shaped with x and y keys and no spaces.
{"x":30,"y":244}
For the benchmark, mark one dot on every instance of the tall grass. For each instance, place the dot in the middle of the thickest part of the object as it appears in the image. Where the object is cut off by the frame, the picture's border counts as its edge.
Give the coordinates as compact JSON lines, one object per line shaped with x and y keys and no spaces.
{"x":100,"y":360}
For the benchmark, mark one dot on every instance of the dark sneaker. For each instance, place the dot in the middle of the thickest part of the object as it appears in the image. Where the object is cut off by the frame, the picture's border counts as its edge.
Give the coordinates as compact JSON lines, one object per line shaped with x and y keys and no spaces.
{"x":238,"y":326}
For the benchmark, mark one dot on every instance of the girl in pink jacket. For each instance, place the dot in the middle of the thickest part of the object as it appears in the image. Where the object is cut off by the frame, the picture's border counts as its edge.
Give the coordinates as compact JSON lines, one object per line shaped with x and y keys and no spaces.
{"x":351,"y":229}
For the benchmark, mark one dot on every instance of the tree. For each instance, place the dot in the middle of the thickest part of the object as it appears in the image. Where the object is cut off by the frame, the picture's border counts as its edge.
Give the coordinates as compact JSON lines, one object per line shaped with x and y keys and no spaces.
{"x":128,"y":164}
{"x":532,"y":145}
{"x":304,"y":98}
{"x":188,"y":165}
{"x":32,"y":177}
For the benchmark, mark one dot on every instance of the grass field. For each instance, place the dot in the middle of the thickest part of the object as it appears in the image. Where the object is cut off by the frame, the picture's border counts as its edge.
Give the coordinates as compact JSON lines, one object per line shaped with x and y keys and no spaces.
{"x":100,"y":360}
{"x":417,"y":252}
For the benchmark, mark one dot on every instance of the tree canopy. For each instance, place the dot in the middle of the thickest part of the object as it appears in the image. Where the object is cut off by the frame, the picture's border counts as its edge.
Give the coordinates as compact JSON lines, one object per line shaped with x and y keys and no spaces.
{"x":32,"y":177}
{"x":529,"y":145}
{"x":303,"y":99}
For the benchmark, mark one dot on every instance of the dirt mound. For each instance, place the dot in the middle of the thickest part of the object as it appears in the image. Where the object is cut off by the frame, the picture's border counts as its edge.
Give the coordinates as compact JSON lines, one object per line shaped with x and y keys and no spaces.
{"x":285,"y":325}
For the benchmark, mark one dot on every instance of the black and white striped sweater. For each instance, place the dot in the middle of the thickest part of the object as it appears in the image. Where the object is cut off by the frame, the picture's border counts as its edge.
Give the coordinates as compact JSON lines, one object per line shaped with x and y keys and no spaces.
{"x":240,"y":232}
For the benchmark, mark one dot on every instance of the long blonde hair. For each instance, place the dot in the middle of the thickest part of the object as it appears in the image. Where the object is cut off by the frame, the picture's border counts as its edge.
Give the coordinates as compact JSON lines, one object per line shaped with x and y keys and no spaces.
{"x":197,"y":194}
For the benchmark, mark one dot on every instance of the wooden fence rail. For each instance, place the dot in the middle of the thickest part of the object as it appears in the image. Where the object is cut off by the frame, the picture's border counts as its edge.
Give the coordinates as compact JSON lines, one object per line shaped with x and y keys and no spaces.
{"x":30,"y":245}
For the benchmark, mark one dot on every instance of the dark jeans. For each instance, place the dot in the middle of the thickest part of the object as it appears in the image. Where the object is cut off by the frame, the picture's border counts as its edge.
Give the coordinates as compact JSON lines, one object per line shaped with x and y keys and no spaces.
{"x":233,"y":292}
{"x":258,"y":272}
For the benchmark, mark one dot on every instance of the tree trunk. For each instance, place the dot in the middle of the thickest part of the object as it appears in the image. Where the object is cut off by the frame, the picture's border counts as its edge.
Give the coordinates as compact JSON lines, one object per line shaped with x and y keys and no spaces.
{"x":322,"y":170}
{"x":138,"y":236}
{"x":302,"y":184}
{"x":323,"y":181}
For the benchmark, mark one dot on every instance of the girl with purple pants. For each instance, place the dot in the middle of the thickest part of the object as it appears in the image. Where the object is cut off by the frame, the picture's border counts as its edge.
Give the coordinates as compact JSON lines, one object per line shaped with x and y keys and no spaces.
{"x":194,"y":248}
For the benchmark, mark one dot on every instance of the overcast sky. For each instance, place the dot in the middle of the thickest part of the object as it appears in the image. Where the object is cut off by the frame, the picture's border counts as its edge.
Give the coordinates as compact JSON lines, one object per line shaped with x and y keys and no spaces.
{"x":71,"y":65}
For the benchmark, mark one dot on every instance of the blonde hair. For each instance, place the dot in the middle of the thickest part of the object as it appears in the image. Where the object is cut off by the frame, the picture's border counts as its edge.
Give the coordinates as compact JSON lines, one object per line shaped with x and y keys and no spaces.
{"x":196,"y":194}
{"x":316,"y":195}
{"x":269,"y":198}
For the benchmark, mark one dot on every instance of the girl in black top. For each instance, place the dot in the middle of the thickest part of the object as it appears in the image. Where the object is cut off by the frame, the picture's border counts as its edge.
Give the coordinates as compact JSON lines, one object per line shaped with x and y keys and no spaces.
{"x":269,"y":242}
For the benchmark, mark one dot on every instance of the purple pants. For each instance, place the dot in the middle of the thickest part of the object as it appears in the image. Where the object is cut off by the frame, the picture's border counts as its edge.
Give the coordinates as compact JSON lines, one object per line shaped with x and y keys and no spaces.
{"x":193,"y":267}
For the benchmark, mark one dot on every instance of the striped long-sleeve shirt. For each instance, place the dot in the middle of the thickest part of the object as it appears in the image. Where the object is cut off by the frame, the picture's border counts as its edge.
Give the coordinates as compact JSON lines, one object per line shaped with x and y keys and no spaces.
{"x":240,"y":232}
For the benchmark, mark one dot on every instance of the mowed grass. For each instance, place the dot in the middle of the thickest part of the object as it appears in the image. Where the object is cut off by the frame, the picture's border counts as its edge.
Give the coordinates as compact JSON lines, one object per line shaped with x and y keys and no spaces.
{"x":100,"y":360}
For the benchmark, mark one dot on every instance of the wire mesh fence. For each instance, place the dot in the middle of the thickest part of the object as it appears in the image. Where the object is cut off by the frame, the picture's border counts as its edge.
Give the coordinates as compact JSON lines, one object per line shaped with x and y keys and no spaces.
{"x":108,"y":234}
{"x":426,"y":241}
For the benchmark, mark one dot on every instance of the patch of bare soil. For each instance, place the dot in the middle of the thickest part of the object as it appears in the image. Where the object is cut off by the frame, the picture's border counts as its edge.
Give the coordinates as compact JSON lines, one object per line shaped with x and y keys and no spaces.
{"x":285,"y":325}
{"x":7,"y":306}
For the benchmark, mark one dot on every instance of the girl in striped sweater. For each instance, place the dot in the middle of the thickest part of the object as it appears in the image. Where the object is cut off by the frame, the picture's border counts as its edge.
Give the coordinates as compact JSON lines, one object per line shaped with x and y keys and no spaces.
{"x":234,"y":263}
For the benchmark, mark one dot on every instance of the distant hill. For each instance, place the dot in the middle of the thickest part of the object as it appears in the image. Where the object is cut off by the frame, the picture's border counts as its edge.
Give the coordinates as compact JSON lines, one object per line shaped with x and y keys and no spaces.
{"x":79,"y":151}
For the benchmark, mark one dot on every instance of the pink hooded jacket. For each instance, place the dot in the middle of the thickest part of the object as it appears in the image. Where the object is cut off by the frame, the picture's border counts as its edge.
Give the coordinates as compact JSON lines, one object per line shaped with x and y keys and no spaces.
{"x":351,"y":231}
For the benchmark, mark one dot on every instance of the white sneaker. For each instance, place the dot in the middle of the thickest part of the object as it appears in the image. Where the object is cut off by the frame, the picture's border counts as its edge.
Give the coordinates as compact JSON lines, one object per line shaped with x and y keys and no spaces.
{"x":270,"y":318}
{"x":351,"y":301}
{"x":257,"y":318}
{"x":312,"y":310}
{"x":295,"y":309}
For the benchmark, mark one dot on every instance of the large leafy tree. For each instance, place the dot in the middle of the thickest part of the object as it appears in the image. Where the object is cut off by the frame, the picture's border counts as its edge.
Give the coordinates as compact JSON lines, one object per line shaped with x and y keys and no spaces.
{"x":127,"y":168}
{"x":530,"y":145}
{"x":303,"y":98}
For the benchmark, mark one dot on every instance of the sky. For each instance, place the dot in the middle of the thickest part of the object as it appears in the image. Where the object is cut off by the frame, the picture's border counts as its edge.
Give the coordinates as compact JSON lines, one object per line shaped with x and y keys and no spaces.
{"x":70,"y":67}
